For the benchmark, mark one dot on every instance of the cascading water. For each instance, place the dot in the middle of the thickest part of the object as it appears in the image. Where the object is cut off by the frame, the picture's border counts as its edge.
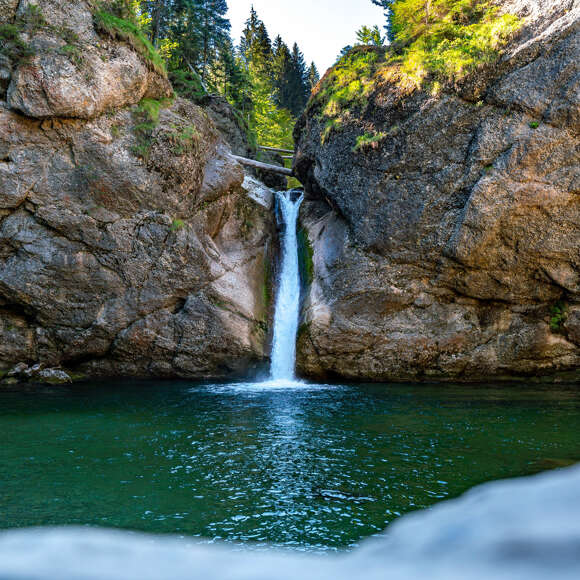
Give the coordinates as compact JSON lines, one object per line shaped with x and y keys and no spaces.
{"x":288,"y":298}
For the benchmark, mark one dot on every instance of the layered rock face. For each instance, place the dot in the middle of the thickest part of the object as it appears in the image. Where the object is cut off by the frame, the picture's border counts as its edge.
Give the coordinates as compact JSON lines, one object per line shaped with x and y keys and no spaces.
{"x":131,"y":242}
{"x":450,"y":247}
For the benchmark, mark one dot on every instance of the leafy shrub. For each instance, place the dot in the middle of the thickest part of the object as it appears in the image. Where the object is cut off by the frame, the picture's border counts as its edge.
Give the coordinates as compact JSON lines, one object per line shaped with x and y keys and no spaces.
{"x":146,"y":116}
{"x":128,"y":31}
{"x":183,"y":139}
{"x":33,"y":19}
{"x":559,"y":314}
{"x":73,"y":52}
{"x":534,"y":125}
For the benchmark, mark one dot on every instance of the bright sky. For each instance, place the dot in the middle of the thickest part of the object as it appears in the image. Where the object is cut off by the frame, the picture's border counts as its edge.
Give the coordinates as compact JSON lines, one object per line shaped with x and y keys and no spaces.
{"x":320,"y":27}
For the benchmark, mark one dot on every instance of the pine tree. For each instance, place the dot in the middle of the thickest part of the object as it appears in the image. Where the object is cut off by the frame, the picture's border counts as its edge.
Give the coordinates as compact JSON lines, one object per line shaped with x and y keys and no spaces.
{"x":255,"y":45}
{"x":299,"y":84}
{"x":370,"y":36}
{"x":282,"y":73}
{"x":213,"y":31}
{"x":313,"y":76}
{"x":386,"y":5}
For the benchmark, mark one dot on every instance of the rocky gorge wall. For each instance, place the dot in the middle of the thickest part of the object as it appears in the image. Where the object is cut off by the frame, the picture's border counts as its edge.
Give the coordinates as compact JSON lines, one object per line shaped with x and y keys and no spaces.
{"x":131,"y":242}
{"x":443,"y":225}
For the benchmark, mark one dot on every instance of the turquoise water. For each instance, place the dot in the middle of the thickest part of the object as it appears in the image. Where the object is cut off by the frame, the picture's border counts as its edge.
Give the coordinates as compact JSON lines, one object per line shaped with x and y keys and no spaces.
{"x":312,"y":467}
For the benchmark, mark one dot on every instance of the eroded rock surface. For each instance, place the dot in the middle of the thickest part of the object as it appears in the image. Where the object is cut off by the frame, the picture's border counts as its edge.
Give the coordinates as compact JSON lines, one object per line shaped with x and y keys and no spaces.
{"x":129,"y":245}
{"x":447,"y":249}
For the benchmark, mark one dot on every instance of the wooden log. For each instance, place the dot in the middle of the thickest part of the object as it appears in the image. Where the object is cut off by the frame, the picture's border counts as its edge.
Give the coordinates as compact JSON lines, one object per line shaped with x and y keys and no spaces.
{"x":276,"y":149}
{"x":264,"y":166}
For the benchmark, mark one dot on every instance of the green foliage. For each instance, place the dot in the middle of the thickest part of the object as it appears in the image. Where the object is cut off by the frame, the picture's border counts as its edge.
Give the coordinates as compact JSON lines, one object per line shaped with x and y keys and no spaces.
{"x":448,"y":39}
{"x":128,"y":31}
{"x":331,"y":125}
{"x":187,"y":84}
{"x":349,"y":83}
{"x":176,"y":225}
{"x":370,"y":36}
{"x":32,"y":20}
{"x":534,"y":125}
{"x":12,"y":45}
{"x":369,"y":141}
{"x":74,"y":53}
{"x":435,"y":41}
{"x":271,"y":124}
{"x":559,"y":314}
{"x":183,"y":139}
{"x":146,"y":116}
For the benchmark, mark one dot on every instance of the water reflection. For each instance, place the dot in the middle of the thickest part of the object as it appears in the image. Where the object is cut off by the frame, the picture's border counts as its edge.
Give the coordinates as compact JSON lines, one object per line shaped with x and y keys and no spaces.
{"x":298,"y":465}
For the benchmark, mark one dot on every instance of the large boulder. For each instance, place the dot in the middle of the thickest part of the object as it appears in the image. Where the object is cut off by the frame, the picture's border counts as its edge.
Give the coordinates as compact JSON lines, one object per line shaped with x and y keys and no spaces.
{"x":444,"y":224}
{"x":76,"y":68}
{"x":131,"y":242}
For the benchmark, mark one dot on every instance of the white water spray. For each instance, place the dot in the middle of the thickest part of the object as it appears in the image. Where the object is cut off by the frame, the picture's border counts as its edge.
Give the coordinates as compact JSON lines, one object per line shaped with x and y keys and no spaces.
{"x":288,"y":299}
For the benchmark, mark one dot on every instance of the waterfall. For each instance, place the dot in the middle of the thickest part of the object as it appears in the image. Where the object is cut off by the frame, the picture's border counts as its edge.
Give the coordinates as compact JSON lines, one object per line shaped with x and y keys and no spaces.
{"x":288,"y":298}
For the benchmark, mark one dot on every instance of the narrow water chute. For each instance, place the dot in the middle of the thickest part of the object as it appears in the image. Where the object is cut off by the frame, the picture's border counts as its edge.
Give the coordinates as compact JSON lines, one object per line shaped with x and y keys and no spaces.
{"x":288,"y":295}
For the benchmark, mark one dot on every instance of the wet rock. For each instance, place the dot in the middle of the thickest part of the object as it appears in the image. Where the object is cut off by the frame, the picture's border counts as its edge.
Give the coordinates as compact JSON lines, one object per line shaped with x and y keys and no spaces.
{"x":439,"y":253}
{"x":52,"y":377}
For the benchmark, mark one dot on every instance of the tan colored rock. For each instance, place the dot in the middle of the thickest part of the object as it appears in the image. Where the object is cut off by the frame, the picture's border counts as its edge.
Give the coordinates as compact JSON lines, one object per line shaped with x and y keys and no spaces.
{"x":76,"y":73}
{"x":130,"y":253}
{"x":8,"y":10}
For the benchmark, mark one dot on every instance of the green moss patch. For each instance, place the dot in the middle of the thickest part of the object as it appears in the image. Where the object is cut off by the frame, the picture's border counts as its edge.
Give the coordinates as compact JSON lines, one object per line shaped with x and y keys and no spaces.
{"x":305,"y":257}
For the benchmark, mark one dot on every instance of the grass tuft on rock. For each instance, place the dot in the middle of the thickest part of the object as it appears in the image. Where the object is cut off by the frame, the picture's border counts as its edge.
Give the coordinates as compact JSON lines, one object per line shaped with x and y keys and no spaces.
{"x":127,"y":31}
{"x":369,"y":141}
{"x":12,"y":45}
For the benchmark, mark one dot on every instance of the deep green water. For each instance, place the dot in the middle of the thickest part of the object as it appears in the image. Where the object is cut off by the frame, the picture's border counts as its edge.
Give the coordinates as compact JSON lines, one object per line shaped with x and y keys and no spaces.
{"x":310,"y":467}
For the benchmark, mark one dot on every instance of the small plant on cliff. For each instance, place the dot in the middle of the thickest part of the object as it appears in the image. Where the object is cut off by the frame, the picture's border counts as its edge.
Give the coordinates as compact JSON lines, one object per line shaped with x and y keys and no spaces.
{"x":183,"y":139}
{"x":127,"y":31}
{"x":32,"y":20}
{"x":559,"y":314}
{"x":12,"y":46}
{"x":369,"y":141}
{"x":176,"y":225}
{"x":146,"y":116}
{"x":534,"y":125}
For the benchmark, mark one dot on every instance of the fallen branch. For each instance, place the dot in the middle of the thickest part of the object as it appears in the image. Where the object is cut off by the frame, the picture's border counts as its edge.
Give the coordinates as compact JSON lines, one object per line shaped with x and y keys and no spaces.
{"x":264,"y":166}
{"x":276,"y":149}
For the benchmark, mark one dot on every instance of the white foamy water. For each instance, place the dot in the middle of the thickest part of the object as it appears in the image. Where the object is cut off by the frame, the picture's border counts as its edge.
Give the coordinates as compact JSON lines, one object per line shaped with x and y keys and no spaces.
{"x":288,"y":297}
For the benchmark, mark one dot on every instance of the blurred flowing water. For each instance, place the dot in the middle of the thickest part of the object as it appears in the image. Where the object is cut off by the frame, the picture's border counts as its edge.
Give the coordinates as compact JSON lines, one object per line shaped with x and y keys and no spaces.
{"x":288,"y":292}
{"x":311,"y":467}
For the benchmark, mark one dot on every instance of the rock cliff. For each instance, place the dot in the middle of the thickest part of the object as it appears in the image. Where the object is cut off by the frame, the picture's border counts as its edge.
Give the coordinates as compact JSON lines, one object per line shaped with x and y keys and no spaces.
{"x":131,"y":242}
{"x":444,"y":220}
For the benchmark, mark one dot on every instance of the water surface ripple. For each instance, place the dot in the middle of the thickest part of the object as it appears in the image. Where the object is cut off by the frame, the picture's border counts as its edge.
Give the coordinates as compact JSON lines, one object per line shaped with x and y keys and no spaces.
{"x":288,"y":464}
